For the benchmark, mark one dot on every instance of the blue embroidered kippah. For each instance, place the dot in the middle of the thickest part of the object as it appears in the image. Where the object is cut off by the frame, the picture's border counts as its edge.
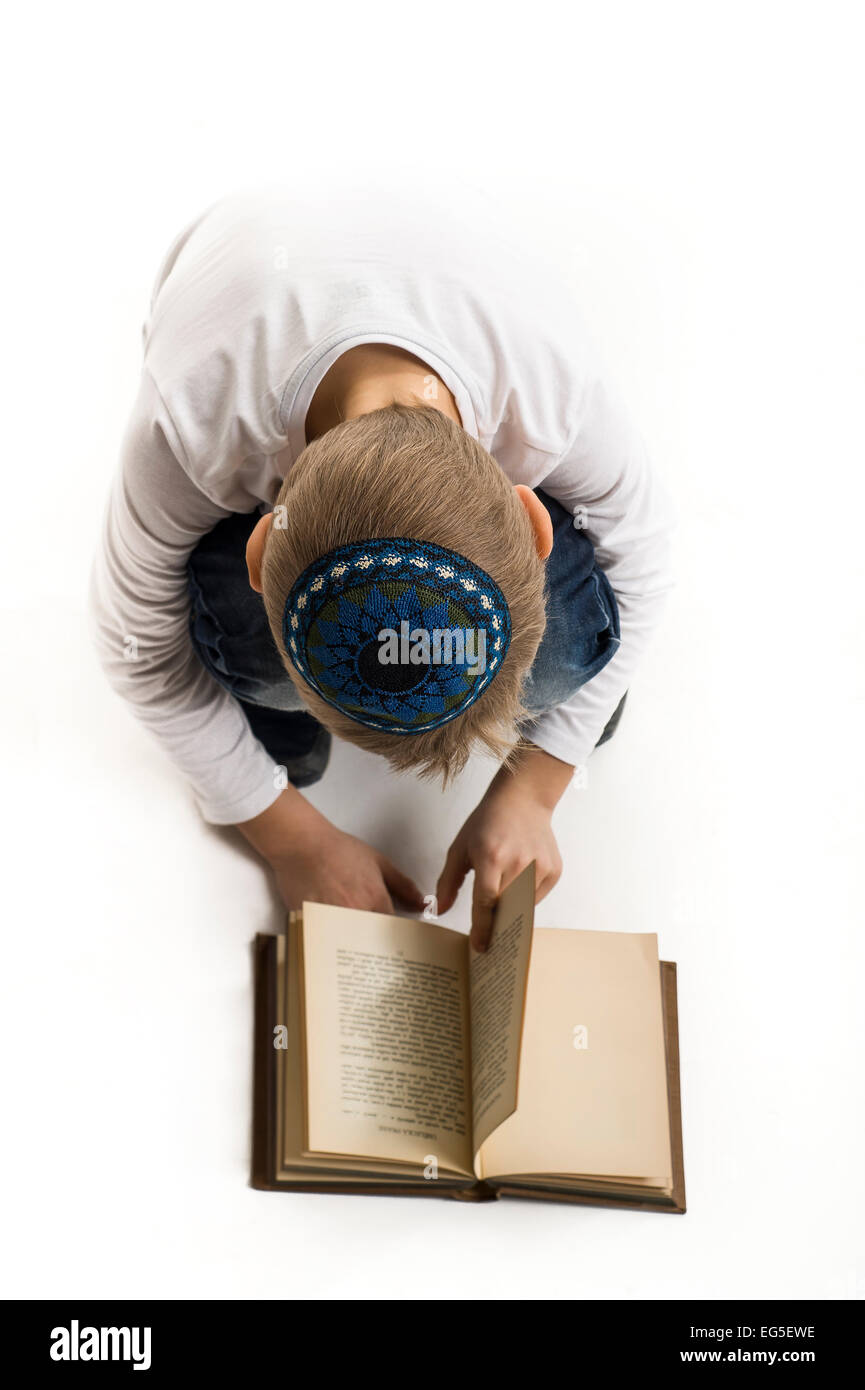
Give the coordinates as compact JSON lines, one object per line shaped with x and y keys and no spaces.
{"x":400,"y":635}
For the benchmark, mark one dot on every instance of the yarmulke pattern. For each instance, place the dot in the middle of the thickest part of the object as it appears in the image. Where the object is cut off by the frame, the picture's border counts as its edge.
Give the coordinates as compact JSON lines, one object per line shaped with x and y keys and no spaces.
{"x":342,"y":602}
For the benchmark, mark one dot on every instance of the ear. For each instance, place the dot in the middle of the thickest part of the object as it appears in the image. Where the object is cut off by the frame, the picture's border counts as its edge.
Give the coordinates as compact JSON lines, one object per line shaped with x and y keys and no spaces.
{"x":255,"y":550}
{"x":539,"y":518}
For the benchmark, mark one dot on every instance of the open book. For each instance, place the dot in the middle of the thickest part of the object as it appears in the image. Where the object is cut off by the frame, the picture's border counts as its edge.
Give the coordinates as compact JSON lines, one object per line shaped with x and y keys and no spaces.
{"x":392,"y":1058}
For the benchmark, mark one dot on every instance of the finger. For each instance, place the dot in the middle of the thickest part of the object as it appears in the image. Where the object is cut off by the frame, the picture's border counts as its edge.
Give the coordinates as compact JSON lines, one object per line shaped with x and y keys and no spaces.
{"x":380,"y":900}
{"x":547,"y":884}
{"x":485,"y":894}
{"x":451,"y":878}
{"x":399,"y":883}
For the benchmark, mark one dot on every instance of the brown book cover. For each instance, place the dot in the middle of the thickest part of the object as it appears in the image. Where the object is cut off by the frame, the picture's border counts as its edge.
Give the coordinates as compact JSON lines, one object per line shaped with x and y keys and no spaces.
{"x":264,"y":1113}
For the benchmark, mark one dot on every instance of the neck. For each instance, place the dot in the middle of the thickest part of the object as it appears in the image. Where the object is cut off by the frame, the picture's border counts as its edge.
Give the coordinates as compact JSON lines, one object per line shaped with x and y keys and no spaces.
{"x":370,"y":377}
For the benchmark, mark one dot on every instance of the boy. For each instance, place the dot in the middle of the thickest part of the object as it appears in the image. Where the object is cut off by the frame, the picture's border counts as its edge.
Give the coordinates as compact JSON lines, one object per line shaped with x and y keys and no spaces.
{"x":374,"y":486}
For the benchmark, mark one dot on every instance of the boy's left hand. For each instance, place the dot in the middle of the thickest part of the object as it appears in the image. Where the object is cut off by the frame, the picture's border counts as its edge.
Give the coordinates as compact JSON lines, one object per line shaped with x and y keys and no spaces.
{"x":511,"y":827}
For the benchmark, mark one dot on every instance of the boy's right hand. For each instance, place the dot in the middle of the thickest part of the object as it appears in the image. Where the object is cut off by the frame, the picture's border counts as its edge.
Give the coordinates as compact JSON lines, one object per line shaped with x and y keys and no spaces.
{"x":313,"y":861}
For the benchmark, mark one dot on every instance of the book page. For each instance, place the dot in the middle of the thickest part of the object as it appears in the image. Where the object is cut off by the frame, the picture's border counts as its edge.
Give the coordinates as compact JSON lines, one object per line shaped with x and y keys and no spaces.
{"x":593,"y":1084}
{"x":292,"y":1162}
{"x":385,"y":1016}
{"x":497,"y":993}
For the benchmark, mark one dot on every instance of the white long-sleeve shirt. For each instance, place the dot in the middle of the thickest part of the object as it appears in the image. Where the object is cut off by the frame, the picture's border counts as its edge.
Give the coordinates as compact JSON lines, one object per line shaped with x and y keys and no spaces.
{"x":252,"y":305}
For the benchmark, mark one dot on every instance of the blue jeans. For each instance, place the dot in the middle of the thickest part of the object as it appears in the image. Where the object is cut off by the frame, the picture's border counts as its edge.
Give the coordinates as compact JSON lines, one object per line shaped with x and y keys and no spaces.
{"x":232,"y":639}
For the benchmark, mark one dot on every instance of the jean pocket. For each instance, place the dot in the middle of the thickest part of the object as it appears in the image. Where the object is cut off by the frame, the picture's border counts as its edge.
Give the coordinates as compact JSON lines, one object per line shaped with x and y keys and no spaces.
{"x":607,"y":628}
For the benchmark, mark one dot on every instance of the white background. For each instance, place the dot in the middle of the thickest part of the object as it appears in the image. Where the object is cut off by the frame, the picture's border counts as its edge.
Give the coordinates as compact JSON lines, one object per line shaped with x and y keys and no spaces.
{"x":696,"y":172}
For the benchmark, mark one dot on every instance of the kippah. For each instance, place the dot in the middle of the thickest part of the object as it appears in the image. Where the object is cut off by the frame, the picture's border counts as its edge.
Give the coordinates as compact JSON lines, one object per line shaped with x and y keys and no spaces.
{"x":400,"y":635}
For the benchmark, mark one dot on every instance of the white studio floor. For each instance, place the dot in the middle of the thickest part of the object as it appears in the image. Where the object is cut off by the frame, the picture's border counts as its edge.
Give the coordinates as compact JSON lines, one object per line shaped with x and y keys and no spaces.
{"x":696,"y":189}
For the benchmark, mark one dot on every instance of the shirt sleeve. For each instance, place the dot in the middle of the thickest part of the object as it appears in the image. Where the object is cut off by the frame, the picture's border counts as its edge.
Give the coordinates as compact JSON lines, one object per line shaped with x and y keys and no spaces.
{"x":139,"y":608}
{"x":604,"y":478}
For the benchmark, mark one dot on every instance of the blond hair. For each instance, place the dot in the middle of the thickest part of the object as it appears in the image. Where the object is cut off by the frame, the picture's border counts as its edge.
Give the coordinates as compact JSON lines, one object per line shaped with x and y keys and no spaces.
{"x":410,"y":471}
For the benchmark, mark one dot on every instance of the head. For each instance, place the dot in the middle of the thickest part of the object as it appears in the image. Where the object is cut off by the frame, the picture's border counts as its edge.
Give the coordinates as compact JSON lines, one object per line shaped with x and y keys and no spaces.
{"x":410,"y":472}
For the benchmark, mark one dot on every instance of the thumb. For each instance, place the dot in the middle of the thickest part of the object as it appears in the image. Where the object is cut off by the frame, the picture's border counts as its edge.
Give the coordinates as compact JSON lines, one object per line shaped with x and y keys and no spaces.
{"x":484,"y":897}
{"x":451,"y":877}
{"x":399,"y":883}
